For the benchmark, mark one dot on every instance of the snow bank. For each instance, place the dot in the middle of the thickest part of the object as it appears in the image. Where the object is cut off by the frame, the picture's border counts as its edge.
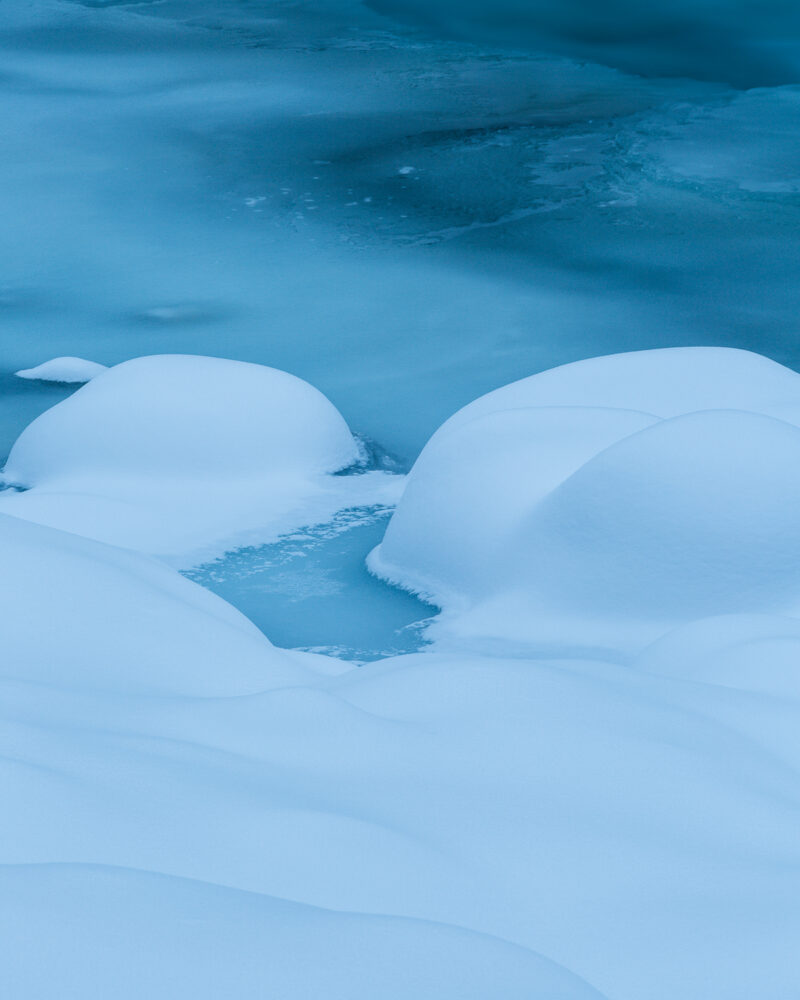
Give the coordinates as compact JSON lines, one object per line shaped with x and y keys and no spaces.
{"x":614,"y":821}
{"x":76,"y":613}
{"x":600,"y":504}
{"x":183,"y":803}
{"x":758,"y":653}
{"x":179,"y":455}
{"x":153,"y":790}
{"x":473,"y":485}
{"x":63,"y":370}
{"x":103,"y":932}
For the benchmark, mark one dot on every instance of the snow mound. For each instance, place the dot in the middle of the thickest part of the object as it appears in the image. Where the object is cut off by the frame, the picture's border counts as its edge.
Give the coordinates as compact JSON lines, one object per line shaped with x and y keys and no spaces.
{"x":82,"y":614}
{"x":758,"y":653}
{"x":693,"y":516}
{"x":102,"y":932}
{"x":665,"y":382}
{"x":179,"y":454}
{"x":563,"y":806}
{"x":473,"y":486}
{"x":63,"y":370}
{"x":181,"y":415}
{"x":538,"y":520}
{"x":170,"y":782}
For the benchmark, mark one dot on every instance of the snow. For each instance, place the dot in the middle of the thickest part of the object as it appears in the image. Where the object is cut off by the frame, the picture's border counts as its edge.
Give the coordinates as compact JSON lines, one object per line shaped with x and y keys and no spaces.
{"x":537,"y":519}
{"x":589,"y":778}
{"x":182,"y":456}
{"x":63,"y":370}
{"x":471,"y":486}
{"x":179,"y":415}
{"x":188,"y":804}
{"x":85,"y":614}
{"x":107,"y":655}
{"x":666,"y":383}
{"x":205,"y":941}
{"x":587,"y":786}
{"x":751,"y":652}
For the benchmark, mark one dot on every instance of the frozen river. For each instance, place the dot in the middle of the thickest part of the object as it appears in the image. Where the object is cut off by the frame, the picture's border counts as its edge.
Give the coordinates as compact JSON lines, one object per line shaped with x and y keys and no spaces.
{"x":561,"y":763}
{"x":386,"y":205}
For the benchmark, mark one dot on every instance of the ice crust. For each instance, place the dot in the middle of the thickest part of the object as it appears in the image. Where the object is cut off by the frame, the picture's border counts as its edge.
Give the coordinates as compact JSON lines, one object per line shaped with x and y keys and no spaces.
{"x":181,"y":456}
{"x":63,"y":370}
{"x":745,"y":144}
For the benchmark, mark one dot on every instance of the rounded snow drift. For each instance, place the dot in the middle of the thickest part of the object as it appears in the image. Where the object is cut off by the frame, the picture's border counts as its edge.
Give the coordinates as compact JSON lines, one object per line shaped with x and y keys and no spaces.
{"x":180,"y":415}
{"x":67,"y":370}
{"x":693,"y":516}
{"x":758,"y":653}
{"x":475,"y":484}
{"x":605,"y":502}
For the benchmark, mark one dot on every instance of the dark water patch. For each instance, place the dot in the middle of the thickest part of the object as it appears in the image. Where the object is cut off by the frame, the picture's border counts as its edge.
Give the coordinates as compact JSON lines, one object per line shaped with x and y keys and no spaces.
{"x":21,"y":401}
{"x":742,"y":42}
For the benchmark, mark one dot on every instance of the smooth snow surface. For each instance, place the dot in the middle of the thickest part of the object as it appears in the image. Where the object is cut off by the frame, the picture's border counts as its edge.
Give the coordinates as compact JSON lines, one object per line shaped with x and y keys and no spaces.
{"x":82,"y":614}
{"x":181,"y":456}
{"x":63,"y":370}
{"x":183,"y":803}
{"x":598,"y":505}
{"x":756,"y":653}
{"x":186,"y":804}
{"x":580,"y":780}
{"x":179,"y":415}
{"x":206,"y":941}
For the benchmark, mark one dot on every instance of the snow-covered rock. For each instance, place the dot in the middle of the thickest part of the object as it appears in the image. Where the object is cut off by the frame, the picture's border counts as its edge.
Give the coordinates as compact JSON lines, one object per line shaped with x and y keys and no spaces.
{"x":473,"y":486}
{"x":600,"y":504}
{"x":665,"y":383}
{"x":182,"y":415}
{"x":178,"y":455}
{"x":63,"y":370}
